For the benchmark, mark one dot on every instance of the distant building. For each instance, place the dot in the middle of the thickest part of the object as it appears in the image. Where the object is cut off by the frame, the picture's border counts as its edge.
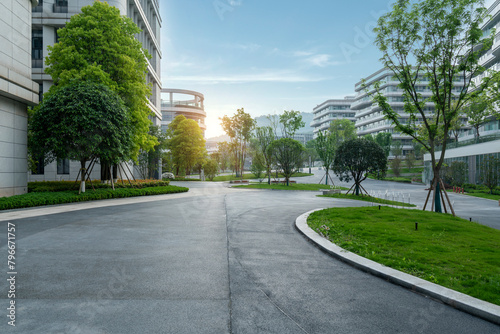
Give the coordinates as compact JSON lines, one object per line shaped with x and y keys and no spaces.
{"x":370,"y":118}
{"x":175,"y":102}
{"x":17,"y":92}
{"x":325,"y":113}
{"x":48,"y":17}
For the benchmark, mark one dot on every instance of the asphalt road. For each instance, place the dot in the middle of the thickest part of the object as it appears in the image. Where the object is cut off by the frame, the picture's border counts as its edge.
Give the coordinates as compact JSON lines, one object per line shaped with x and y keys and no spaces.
{"x":214,"y":260}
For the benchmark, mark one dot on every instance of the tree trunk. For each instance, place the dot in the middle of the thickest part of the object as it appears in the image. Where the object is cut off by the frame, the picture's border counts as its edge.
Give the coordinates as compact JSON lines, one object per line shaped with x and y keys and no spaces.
{"x":83,"y":175}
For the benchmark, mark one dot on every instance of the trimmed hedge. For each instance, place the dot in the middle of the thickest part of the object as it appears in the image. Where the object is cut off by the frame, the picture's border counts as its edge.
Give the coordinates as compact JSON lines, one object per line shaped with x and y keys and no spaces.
{"x":51,"y":198}
{"x":57,"y":186}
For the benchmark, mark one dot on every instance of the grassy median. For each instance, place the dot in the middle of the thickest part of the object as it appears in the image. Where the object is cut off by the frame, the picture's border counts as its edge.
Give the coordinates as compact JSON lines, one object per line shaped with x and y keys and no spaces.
{"x":445,"y":250}
{"x":370,"y":199}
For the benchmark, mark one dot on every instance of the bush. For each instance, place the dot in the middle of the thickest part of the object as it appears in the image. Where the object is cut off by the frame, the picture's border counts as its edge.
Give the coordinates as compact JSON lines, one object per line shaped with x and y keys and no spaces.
{"x":51,"y":198}
{"x":57,"y":186}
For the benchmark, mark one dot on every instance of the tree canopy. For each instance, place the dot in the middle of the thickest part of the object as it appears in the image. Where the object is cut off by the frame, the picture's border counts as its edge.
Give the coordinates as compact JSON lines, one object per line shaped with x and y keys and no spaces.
{"x":99,"y":45}
{"x":186,"y":143}
{"x":342,"y":130}
{"x":436,"y":44}
{"x":289,"y":154}
{"x":326,"y":146}
{"x":356,"y":158}
{"x":81,"y":121}
{"x":239,"y":128}
{"x":264,"y":136}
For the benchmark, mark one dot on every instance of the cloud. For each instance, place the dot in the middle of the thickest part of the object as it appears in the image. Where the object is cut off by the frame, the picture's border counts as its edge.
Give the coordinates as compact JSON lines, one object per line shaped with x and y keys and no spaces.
{"x":245,"y":47}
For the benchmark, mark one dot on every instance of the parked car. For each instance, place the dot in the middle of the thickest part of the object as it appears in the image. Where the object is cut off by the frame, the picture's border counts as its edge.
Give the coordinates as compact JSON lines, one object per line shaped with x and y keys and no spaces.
{"x":168,"y":175}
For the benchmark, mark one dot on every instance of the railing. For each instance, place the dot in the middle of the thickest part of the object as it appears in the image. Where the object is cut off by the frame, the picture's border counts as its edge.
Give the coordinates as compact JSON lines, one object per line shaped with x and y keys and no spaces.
{"x":37,"y":9}
{"x":480,"y":139}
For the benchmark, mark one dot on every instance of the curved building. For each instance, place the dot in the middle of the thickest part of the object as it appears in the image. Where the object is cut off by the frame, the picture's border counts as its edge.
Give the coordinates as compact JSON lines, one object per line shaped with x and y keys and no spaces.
{"x":175,"y":102}
{"x":17,"y":92}
{"x":330,"y":110}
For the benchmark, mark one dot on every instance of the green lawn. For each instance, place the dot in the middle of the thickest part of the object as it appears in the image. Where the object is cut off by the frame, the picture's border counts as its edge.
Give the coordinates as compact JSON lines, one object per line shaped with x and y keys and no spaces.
{"x":482,"y":195}
{"x":446,"y":250}
{"x":368,"y":199}
{"x":50,"y":198}
{"x":250,"y":176}
{"x":292,"y":186}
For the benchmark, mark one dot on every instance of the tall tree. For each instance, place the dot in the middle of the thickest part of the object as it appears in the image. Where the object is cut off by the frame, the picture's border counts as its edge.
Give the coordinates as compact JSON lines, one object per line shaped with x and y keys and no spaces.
{"x":290,"y":122}
{"x":326,"y":146}
{"x":99,"y":45}
{"x":490,"y":172}
{"x":148,"y":161}
{"x":342,"y":130}
{"x":384,"y":139}
{"x":264,"y":136}
{"x":186,"y":143}
{"x":479,"y":111}
{"x":239,"y":128}
{"x":437,"y":43}
{"x":81,"y":121}
{"x":289,"y":154}
{"x":356,"y":158}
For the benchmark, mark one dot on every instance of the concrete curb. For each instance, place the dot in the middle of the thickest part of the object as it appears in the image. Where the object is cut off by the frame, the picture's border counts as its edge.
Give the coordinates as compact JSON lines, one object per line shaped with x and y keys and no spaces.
{"x":460,"y":301}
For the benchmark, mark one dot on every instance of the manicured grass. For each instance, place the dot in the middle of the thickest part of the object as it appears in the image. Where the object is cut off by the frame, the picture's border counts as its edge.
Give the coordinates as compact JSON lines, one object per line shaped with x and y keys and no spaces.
{"x":368,"y":199}
{"x":446,"y":250}
{"x":52,"y":186}
{"x":482,"y":195}
{"x":50,"y":198}
{"x":292,"y":186}
{"x":250,"y":176}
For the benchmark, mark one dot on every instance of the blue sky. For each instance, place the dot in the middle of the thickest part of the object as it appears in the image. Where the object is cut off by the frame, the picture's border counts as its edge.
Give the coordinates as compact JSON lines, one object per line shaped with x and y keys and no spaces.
{"x":267,"y":56}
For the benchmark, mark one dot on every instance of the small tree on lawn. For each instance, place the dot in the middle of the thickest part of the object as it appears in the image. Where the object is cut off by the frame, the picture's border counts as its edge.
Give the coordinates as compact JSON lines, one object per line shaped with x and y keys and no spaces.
{"x":356,"y":158}
{"x":438,"y":43}
{"x":326,"y":145}
{"x":264,"y":136}
{"x":490,"y":172}
{"x":81,"y":121}
{"x":289,"y":155}
{"x":211,"y":168}
{"x":239,"y":128}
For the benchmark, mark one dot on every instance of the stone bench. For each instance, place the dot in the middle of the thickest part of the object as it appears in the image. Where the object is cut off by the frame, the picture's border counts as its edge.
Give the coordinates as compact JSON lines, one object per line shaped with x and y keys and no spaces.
{"x":239,"y":181}
{"x":282,"y":182}
{"x":330,"y":191}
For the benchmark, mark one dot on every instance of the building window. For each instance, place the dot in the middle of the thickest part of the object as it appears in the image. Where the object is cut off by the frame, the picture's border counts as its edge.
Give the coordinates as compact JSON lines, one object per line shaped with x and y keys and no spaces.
{"x":60,"y":6}
{"x":37,"y":48}
{"x":62,"y":166}
{"x":38,"y":8}
{"x":40,"y":168}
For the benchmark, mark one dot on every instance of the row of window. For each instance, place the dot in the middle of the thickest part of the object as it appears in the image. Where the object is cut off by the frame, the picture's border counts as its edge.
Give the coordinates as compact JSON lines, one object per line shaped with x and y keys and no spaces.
{"x":62,"y":167}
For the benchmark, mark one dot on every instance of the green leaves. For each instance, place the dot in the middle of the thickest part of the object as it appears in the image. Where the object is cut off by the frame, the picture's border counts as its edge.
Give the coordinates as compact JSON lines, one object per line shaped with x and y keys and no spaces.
{"x":81,"y":121}
{"x":99,"y":45}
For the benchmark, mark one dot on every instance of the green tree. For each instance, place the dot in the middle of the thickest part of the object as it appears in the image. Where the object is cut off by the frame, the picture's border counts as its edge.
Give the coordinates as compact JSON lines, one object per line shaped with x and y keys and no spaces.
{"x":99,"y":45}
{"x":186,"y":143}
{"x":290,"y":122}
{"x":289,"y":154}
{"x":384,"y":139}
{"x":326,"y":146}
{"x":264,"y":136}
{"x":356,"y":158}
{"x":311,"y":152}
{"x":239,"y":128}
{"x":81,"y":121}
{"x":479,"y":111}
{"x":396,"y":166}
{"x":225,"y":155}
{"x":148,"y":161}
{"x":342,"y":130}
{"x":459,"y":173}
{"x":410,"y":161}
{"x":397,"y":148}
{"x":436,"y":43}
{"x":490,"y":172}
{"x":211,"y":168}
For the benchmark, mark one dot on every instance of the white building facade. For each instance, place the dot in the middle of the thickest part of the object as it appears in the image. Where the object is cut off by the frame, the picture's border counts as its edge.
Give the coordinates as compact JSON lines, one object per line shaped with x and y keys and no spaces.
{"x":175,"y":102}
{"x":370,"y":118}
{"x":17,"y":92}
{"x":325,"y":113}
{"x":48,"y":17}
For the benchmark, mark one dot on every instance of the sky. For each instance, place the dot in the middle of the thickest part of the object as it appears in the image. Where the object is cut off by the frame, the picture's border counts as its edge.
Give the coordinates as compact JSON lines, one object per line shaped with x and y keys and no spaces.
{"x":268,"y":56}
